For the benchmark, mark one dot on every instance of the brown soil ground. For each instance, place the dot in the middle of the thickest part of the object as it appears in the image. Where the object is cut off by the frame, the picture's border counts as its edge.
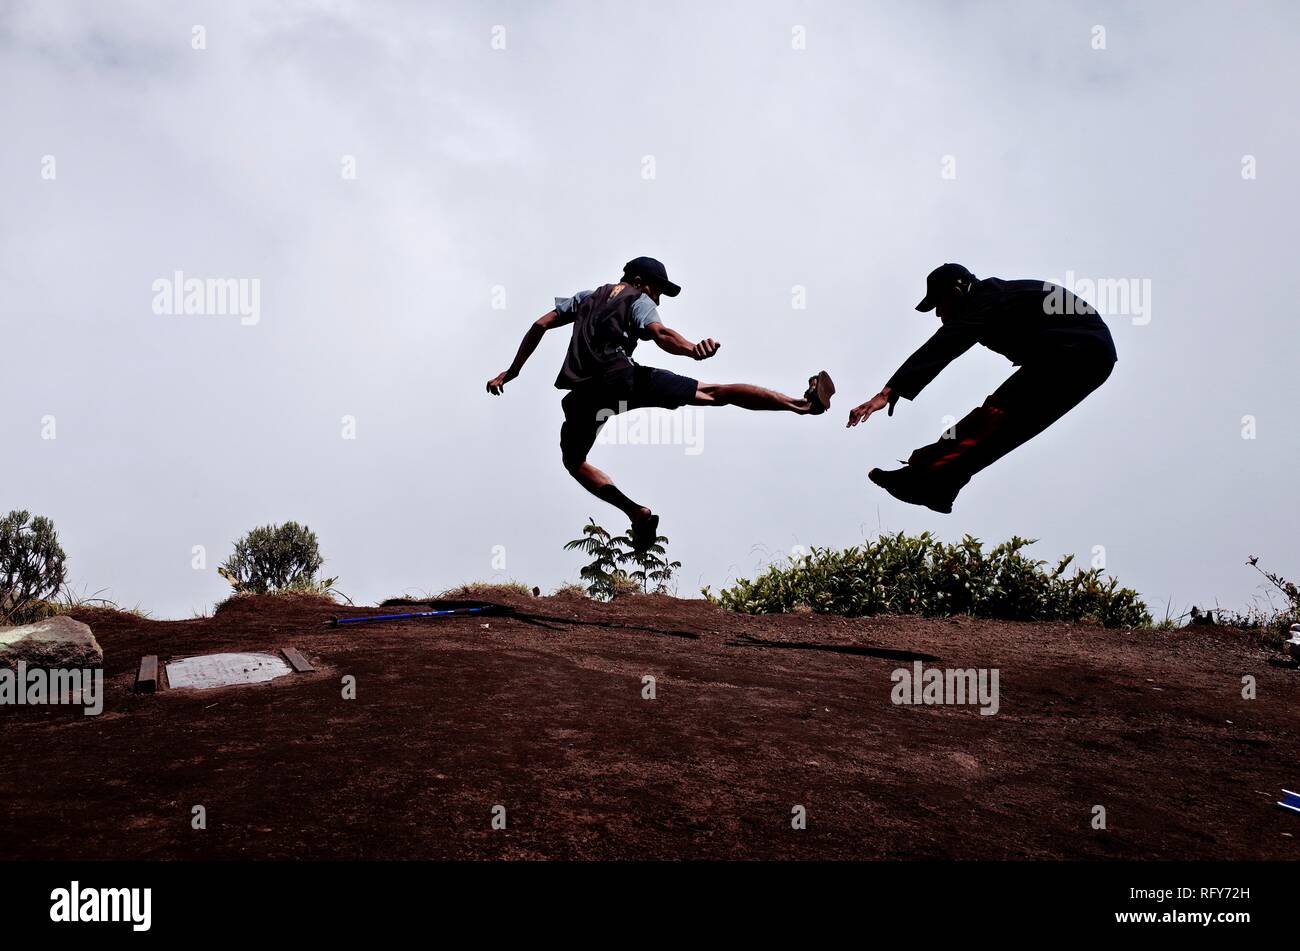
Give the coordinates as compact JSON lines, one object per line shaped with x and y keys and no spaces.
{"x":753,"y":716}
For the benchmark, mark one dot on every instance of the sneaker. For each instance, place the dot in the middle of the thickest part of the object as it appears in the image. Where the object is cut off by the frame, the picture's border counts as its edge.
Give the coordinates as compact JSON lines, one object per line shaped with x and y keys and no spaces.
{"x":907,"y":485}
{"x":819,"y":393}
{"x":644,"y":532}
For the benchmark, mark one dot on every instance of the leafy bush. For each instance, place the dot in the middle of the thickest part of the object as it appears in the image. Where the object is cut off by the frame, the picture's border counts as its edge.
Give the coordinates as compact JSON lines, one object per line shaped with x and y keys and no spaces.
{"x":652,"y":571}
{"x":602,"y":573}
{"x":276,"y":558}
{"x":901,"y":574}
{"x":31,"y":565}
{"x":607,"y":573}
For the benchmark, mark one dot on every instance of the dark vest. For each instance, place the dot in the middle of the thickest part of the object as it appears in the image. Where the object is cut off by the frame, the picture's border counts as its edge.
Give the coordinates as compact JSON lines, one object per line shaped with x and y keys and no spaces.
{"x":603,"y":336}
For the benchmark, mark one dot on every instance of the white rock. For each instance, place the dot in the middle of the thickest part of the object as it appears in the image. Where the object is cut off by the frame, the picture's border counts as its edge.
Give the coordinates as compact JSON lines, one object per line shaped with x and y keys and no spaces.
{"x":58,"y":641}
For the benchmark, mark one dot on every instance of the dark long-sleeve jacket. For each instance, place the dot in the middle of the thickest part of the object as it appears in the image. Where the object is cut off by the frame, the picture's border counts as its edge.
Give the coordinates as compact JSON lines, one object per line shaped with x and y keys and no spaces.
{"x":1022,"y":320}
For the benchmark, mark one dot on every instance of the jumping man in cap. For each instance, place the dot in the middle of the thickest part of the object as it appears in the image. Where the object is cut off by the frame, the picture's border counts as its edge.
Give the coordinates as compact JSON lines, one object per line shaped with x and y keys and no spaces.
{"x":1063,"y":349}
{"x":603,"y":381}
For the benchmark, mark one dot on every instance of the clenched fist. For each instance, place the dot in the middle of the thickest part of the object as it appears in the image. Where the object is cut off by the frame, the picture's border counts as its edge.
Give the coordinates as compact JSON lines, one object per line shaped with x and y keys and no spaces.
{"x":705,"y":349}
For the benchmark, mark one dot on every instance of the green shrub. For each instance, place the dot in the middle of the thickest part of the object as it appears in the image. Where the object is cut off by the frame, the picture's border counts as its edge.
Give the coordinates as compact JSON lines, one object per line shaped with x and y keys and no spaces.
{"x":608,"y":575}
{"x":276,"y":558}
{"x":603,"y":573}
{"x":31,"y":566}
{"x":651,"y":569}
{"x":901,"y":574}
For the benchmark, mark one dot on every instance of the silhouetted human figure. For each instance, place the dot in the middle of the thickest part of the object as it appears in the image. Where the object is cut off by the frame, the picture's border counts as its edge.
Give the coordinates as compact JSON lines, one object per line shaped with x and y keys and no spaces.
{"x":603,"y":380}
{"x":1062,"y":346}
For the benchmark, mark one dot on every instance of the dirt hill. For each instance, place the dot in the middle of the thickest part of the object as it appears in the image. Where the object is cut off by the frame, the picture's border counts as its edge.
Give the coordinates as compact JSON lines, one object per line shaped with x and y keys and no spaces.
{"x":544,"y":715}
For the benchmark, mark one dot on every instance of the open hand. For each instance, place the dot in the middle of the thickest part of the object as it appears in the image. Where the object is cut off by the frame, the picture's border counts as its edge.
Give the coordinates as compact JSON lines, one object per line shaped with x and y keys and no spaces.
{"x":498,"y":382}
{"x":863,"y":412}
{"x":705,"y":349}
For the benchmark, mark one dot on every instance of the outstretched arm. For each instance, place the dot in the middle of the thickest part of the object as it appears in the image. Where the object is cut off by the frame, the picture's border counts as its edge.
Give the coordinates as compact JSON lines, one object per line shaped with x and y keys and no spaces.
{"x":531,"y":339}
{"x":878,"y":402}
{"x":670,"y":341}
{"x":948,"y":343}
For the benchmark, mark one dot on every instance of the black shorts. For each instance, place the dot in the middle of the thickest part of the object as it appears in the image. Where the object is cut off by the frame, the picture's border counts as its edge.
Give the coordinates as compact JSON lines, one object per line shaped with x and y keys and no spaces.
{"x":636,"y":387}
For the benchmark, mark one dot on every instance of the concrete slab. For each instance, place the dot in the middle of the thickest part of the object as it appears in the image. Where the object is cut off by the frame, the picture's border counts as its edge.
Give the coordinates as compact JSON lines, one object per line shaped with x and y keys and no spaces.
{"x":224,"y":670}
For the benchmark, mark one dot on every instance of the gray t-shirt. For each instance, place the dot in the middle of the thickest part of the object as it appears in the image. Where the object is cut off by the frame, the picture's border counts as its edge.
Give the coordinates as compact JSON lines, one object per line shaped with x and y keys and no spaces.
{"x":644,"y":311}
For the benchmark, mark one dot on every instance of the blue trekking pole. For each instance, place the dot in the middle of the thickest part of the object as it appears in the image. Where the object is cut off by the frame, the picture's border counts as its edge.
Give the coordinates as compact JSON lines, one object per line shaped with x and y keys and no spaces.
{"x":448,"y":612}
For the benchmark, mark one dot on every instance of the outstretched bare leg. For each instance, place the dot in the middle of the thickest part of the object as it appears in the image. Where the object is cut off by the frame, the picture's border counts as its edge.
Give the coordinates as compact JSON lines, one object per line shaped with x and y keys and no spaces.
{"x":748,"y":396}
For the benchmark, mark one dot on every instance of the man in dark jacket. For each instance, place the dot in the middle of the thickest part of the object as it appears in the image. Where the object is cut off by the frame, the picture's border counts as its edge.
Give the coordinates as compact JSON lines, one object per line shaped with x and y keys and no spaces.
{"x":603,"y":380}
{"x":1063,"y":350}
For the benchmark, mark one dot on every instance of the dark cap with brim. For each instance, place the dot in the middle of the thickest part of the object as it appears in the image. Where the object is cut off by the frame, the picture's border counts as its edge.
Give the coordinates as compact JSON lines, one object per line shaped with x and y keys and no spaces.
{"x":651,"y":270}
{"x":940,"y":282}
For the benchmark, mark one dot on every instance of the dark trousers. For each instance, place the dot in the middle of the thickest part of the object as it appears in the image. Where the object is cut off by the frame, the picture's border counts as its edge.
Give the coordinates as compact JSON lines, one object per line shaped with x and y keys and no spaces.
{"x":1032,"y":398}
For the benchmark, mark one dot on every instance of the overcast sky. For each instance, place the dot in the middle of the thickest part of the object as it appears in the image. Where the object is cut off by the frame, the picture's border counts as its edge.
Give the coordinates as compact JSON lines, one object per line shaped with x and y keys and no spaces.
{"x":411,"y":184}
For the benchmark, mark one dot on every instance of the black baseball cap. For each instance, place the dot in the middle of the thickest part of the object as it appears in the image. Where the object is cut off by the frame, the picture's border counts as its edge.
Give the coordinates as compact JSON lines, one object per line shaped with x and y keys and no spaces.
{"x":652,"y":271}
{"x":942,"y":280}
